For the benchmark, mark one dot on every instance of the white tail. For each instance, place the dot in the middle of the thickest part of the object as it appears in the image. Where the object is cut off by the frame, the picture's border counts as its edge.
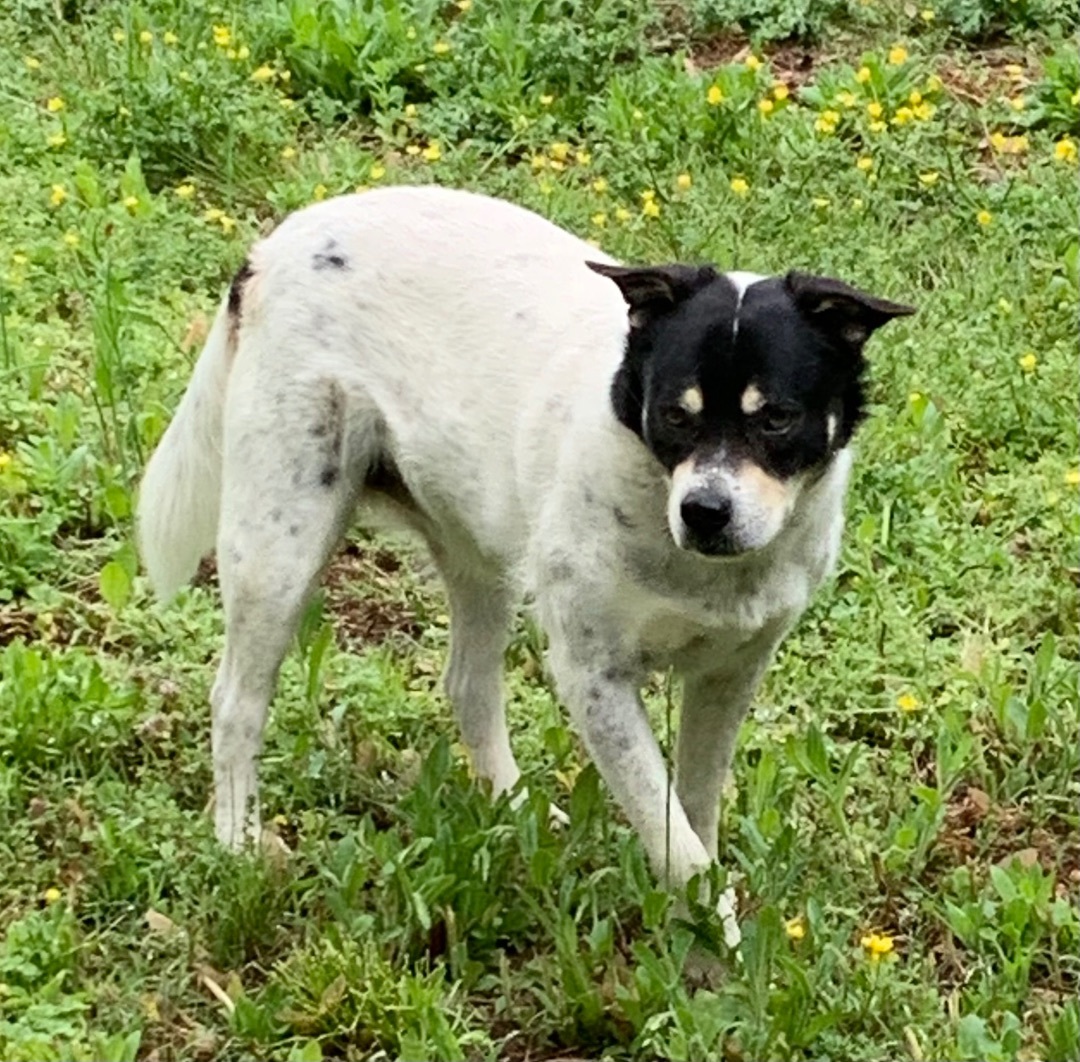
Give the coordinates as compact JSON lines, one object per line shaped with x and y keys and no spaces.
{"x":180,"y":495}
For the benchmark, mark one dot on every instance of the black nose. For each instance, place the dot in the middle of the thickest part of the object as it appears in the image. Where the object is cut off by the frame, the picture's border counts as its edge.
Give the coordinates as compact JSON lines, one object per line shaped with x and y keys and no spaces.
{"x":706,"y":515}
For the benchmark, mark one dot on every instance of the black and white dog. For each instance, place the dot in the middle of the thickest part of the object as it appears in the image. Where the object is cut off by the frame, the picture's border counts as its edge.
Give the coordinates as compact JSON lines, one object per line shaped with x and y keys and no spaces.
{"x":665,"y":482}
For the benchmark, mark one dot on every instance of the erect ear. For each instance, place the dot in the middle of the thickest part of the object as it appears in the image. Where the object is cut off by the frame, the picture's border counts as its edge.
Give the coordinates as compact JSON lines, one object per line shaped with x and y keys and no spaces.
{"x":653,"y":290}
{"x":840,"y":310}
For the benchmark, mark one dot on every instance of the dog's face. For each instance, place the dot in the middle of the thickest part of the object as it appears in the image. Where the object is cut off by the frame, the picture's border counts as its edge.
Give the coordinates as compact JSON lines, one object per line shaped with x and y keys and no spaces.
{"x":744,"y":388}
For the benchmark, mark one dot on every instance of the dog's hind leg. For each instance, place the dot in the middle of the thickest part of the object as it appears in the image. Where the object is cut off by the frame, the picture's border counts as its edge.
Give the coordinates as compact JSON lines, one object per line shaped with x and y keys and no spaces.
{"x":293,"y":456}
{"x":480,"y":613}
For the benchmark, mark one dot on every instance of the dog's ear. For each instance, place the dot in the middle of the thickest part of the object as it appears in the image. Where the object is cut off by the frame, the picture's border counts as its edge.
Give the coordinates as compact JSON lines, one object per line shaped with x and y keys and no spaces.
{"x":653,"y":290}
{"x":844,"y":313}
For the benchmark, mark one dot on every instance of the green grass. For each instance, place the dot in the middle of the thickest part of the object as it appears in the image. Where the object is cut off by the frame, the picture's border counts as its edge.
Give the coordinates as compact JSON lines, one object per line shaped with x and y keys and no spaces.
{"x":910,"y":769}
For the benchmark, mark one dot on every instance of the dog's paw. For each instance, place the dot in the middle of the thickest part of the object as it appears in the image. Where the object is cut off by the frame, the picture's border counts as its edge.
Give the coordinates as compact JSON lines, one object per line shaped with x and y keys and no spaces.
{"x":727,"y":909}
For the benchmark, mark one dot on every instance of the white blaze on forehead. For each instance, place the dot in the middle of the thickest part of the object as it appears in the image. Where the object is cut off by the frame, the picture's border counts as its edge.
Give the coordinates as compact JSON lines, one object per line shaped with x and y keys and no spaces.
{"x":741,"y":281}
{"x":752,"y":399}
{"x":692,"y":400}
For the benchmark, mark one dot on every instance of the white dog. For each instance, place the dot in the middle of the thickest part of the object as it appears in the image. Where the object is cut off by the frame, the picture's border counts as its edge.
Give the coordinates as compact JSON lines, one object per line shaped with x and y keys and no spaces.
{"x":665,"y":482}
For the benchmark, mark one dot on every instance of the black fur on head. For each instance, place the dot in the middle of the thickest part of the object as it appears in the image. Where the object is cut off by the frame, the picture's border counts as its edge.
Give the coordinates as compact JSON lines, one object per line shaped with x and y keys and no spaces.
{"x":770,"y":370}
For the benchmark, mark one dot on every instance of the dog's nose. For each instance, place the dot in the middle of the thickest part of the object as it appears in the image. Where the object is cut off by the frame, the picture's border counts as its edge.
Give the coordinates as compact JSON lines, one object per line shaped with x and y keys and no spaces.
{"x":706,"y":515}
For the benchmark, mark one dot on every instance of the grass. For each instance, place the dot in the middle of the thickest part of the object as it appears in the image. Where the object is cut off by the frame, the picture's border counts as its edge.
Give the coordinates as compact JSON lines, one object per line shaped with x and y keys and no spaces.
{"x":904,"y":827}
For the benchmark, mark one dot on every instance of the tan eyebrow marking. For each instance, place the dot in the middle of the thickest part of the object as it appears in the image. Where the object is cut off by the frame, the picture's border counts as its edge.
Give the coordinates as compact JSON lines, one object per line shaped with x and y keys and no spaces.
{"x":752,"y":399}
{"x":692,"y":400}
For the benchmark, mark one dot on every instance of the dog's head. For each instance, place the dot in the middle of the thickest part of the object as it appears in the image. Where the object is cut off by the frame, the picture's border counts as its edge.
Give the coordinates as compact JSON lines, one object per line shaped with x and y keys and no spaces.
{"x":743,"y":387}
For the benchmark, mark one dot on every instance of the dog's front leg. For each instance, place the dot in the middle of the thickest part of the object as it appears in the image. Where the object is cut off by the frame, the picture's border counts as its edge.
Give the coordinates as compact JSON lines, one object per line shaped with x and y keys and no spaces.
{"x":602,"y":695}
{"x":715,"y":702}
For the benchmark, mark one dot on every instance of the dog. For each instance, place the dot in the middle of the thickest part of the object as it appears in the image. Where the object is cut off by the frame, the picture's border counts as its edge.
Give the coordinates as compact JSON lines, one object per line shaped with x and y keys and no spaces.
{"x":656,"y":457}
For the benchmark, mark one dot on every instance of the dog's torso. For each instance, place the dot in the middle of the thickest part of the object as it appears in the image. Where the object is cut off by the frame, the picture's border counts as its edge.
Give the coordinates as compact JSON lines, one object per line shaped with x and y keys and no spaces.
{"x":487,"y":349}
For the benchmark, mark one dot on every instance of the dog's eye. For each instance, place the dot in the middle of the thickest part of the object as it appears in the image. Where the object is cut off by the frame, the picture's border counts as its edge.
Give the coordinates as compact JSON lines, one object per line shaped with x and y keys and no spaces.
{"x":775,"y":420}
{"x":678,"y":416}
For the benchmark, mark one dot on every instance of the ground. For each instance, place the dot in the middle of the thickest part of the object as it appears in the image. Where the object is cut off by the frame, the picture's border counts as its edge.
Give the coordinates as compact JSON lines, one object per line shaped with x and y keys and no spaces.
{"x":903,"y":827}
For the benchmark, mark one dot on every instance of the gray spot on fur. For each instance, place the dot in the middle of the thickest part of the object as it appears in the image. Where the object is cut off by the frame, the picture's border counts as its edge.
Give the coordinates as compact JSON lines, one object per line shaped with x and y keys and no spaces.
{"x":329,"y":258}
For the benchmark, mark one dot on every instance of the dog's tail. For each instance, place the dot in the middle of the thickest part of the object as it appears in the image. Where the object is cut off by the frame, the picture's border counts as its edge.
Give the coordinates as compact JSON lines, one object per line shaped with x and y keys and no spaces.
{"x":180,"y":495}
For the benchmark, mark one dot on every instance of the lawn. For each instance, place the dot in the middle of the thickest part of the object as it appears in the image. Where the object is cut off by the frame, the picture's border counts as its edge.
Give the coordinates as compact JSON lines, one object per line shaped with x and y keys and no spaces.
{"x":903,"y":831}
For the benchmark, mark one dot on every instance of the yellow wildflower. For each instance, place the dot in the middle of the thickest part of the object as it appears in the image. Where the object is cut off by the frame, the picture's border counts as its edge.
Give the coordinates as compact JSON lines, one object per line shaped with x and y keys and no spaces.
{"x":412,"y":149}
{"x":933,"y":83}
{"x":715,"y":96}
{"x":831,"y":116}
{"x":898,"y":55}
{"x":874,"y":109}
{"x":864,"y":163}
{"x":227,"y":223}
{"x":582,"y":158}
{"x":846,"y":99}
{"x":377,"y":172}
{"x":213,"y":214}
{"x":647,"y":194}
{"x":984,"y":217}
{"x":915,"y":98}
{"x":903,"y":115}
{"x":263,"y":73}
{"x":119,"y":36}
{"x":463,"y":5}
{"x":287,"y":103}
{"x":1014,"y":70}
{"x":650,"y":208}
{"x":914,"y":397}
{"x":184,"y":191}
{"x":1029,"y":361}
{"x":32,"y":62}
{"x":795,"y":928}
{"x":781,"y":92}
{"x":929,"y":178}
{"x":766,"y":107}
{"x":146,"y":37}
{"x":878,"y":127}
{"x":72,"y":238}
{"x":410,"y":33}
{"x":360,"y":189}
{"x":288,"y":152}
{"x":863,"y":75}
{"x":599,"y":219}
{"x":927,"y":15}
{"x":56,"y":140}
{"x":441,"y":47}
{"x":131,"y":202}
{"x":622,"y":214}
{"x":820,"y":202}
{"x":908,"y":702}
{"x":222,"y":36}
{"x":752,"y":62}
{"x":683,"y":182}
{"x":857,"y":203}
{"x":432,"y":153}
{"x":600,"y":185}
{"x":53,"y":895}
{"x":59,"y":194}
{"x":319,"y":192}
{"x":822,"y":125}
{"x":1065,"y":150}
{"x":638,"y":115}
{"x":547,"y":99}
{"x":123,"y":111}
{"x":170,"y":38}
{"x":739,"y":186}
{"x":54,"y":104}
{"x":5,"y":460}
{"x":1017,"y":103}
{"x":242,"y":52}
{"x":1074,"y":99}
{"x":285,"y":75}
{"x":1072,"y":477}
{"x":410,"y":110}
{"x":877,"y":945}
{"x":924,"y":112}
{"x":539,"y":162}
{"x":560,"y":151}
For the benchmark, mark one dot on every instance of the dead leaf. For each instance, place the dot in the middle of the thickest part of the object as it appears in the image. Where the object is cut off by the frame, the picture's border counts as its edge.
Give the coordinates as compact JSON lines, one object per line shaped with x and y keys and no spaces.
{"x":218,"y":992}
{"x":196,"y":333}
{"x":979,"y":800}
{"x":159,"y":923}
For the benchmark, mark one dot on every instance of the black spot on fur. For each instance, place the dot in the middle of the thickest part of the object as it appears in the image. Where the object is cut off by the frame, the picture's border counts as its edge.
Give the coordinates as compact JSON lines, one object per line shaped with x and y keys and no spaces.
{"x":236,"y":291}
{"x":622,"y":519}
{"x":329,"y":258}
{"x":294,"y":530}
{"x":331,"y":430}
{"x":329,"y":475}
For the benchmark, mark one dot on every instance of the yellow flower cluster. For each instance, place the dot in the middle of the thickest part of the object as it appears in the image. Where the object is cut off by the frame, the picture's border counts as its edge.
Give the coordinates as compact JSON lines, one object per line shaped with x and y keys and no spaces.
{"x":1009,"y":145}
{"x":877,"y":945}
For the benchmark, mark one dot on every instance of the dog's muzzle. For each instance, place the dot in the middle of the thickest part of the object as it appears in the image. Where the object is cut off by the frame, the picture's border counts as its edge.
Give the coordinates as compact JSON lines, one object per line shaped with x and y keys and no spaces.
{"x":706,"y":517}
